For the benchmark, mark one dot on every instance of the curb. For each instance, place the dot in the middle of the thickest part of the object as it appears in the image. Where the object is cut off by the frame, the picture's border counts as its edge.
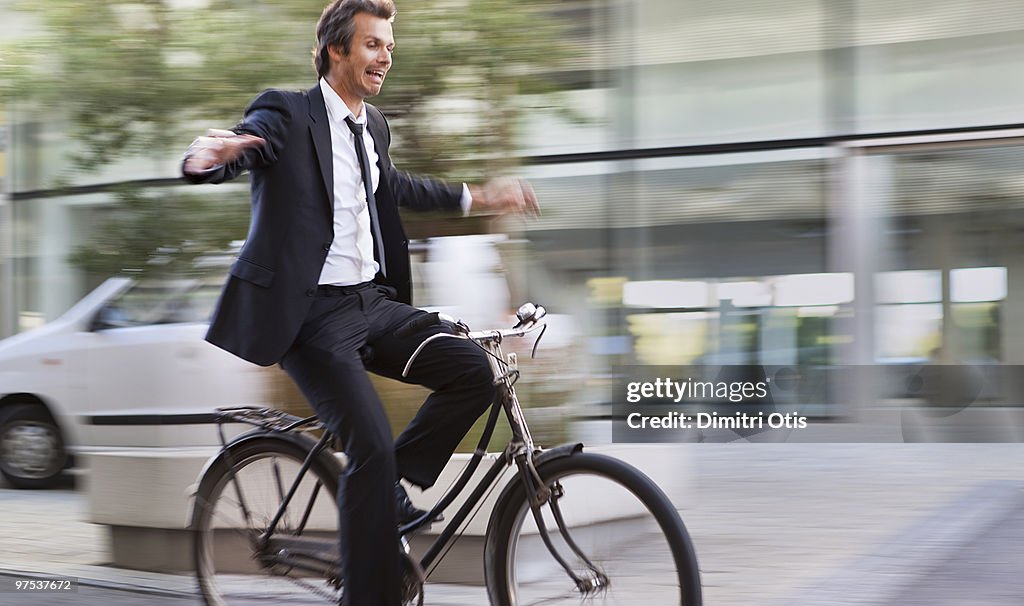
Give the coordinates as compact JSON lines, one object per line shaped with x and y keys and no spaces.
{"x":171,"y":586}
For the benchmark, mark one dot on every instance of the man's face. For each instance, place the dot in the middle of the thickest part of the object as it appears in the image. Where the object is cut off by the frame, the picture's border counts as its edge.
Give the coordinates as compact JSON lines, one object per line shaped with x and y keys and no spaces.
{"x":360,"y":73}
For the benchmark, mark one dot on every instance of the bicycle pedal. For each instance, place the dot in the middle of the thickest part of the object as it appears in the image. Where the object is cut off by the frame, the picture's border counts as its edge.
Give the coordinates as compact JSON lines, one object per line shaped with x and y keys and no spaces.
{"x":437,"y":519}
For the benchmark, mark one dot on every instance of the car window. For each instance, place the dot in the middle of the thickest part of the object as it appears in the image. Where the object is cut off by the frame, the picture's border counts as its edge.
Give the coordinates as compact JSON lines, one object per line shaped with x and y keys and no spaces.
{"x":159,"y":303}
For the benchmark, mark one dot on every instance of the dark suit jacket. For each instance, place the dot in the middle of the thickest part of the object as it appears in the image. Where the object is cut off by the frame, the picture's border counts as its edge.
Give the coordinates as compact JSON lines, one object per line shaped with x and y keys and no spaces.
{"x":273,"y":282}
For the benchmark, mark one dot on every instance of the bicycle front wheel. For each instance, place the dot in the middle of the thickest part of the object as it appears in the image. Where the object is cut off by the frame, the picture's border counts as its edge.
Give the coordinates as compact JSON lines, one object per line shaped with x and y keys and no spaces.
{"x":238,"y":560}
{"x":618,"y":540}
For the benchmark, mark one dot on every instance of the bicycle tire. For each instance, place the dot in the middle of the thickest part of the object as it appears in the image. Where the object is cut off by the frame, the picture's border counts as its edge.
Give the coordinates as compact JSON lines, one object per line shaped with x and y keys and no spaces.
{"x":226,"y":557}
{"x":639,"y":568}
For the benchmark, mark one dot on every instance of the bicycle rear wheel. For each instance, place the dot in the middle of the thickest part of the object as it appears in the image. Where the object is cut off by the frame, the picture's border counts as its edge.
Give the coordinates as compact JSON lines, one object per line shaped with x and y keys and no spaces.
{"x":626,"y":543}
{"x":237,"y":561}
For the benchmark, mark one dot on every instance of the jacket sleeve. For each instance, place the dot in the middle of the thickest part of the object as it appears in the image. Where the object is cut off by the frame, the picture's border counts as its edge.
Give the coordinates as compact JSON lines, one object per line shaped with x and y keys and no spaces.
{"x":415,"y":192}
{"x":266,"y":117}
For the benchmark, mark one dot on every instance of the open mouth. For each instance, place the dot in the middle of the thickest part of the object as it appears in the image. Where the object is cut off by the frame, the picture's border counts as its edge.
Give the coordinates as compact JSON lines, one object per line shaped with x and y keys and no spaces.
{"x":377,"y":75}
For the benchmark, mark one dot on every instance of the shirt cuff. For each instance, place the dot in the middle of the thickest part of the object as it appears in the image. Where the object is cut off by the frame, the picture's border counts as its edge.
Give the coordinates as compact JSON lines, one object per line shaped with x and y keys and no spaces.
{"x":203,"y":173}
{"x":467,"y":200}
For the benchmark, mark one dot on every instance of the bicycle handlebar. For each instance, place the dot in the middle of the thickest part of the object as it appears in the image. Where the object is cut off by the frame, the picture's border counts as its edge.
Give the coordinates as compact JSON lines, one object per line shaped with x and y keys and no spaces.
{"x":529,"y":321}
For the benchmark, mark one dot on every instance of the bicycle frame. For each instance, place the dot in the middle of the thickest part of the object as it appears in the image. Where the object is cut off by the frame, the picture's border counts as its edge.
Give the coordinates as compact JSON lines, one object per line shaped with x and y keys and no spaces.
{"x":319,"y":555}
{"x":519,"y":450}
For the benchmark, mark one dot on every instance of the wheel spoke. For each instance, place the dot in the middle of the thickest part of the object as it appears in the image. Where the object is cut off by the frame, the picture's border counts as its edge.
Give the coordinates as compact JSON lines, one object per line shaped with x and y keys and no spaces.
{"x":279,"y":483}
{"x":237,"y":562}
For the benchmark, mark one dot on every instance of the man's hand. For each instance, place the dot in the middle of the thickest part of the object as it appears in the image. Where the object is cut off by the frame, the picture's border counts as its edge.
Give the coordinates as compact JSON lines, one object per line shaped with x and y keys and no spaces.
{"x":216,"y":148}
{"x":505,"y":194}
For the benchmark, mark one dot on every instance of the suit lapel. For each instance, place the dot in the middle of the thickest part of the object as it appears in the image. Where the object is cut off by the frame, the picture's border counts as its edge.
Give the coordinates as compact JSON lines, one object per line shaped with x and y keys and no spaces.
{"x":320,"y":129}
{"x":375,"y":120}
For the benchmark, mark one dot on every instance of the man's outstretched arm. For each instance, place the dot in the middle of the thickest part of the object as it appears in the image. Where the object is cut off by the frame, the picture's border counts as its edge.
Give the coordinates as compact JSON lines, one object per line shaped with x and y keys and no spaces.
{"x":221,"y":155}
{"x":503,"y":195}
{"x":500,"y":195}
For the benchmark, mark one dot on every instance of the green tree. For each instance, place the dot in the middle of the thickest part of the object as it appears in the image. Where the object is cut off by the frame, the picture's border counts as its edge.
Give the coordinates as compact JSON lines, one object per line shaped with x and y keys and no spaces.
{"x":461,"y":71}
{"x":141,"y":78}
{"x":150,"y":233}
{"x":134,"y":78}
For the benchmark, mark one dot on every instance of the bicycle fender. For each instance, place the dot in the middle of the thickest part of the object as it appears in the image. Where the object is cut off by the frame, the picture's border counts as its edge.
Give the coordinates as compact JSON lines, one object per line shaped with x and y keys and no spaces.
{"x":558,"y":452}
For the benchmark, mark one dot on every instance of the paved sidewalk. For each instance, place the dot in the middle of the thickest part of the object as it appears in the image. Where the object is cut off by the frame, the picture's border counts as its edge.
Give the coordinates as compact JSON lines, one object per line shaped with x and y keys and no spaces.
{"x":773,"y":524}
{"x":830,"y":525}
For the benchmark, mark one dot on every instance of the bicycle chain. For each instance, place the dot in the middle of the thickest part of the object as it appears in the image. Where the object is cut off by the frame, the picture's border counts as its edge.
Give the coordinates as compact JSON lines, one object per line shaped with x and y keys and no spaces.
{"x":323,"y":593}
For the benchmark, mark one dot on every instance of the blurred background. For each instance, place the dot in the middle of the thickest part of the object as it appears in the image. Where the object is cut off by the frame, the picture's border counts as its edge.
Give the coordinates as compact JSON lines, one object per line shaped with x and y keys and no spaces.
{"x":795,"y":182}
{"x":820,"y":183}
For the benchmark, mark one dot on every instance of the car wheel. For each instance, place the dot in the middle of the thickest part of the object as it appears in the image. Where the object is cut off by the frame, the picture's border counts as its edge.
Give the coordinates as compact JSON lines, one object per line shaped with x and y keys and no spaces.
{"x":31,"y":448}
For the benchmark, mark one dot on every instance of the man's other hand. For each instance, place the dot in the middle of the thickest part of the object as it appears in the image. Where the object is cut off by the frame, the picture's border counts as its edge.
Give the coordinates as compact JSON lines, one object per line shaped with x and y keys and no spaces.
{"x":217,"y":147}
{"x":505,"y":194}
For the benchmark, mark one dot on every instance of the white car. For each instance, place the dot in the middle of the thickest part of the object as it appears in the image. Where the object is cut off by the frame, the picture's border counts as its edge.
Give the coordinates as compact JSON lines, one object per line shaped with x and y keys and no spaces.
{"x":126,"y":346}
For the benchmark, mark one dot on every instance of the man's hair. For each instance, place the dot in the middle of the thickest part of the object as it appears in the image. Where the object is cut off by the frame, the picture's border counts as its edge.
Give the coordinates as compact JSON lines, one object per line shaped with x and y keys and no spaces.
{"x":336,"y":27}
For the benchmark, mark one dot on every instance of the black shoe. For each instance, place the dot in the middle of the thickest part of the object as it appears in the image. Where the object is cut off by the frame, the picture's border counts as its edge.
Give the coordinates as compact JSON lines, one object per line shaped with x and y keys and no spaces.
{"x":405,"y":510}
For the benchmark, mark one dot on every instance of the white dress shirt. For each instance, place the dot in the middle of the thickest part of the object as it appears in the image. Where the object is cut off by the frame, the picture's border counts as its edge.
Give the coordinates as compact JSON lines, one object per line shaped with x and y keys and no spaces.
{"x":350,"y":259}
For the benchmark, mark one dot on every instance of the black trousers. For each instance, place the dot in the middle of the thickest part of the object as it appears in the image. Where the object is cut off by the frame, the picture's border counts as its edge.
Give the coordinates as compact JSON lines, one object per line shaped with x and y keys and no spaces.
{"x":327,"y":362}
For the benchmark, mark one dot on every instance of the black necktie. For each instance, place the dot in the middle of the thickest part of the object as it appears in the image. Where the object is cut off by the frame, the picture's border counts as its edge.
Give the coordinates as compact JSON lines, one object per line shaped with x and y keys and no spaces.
{"x":371,"y":203}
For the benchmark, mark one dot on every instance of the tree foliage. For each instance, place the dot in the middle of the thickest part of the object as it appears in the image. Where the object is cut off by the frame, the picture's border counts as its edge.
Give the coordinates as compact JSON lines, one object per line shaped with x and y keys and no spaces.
{"x":132,"y":78}
{"x":151,"y":233}
{"x":139,"y":79}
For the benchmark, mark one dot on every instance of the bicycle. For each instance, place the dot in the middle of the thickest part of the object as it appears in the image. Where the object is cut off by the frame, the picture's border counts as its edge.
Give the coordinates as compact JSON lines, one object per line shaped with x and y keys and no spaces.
{"x":569,"y":527}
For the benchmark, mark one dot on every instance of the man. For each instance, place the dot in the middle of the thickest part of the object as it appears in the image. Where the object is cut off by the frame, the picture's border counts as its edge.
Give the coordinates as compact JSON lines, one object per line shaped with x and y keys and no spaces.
{"x":323,"y":280}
